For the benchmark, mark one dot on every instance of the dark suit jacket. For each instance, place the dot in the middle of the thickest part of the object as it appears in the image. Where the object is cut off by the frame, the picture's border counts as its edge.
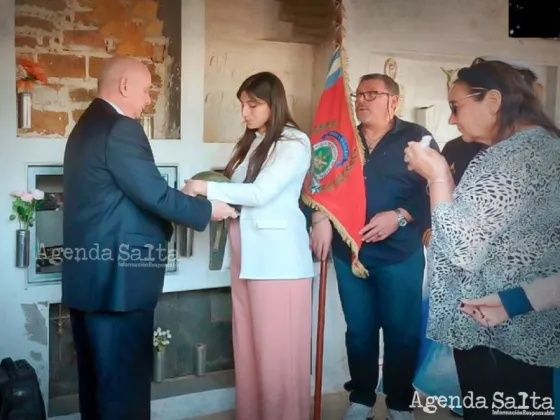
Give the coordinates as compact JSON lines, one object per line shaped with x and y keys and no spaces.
{"x":117,"y":214}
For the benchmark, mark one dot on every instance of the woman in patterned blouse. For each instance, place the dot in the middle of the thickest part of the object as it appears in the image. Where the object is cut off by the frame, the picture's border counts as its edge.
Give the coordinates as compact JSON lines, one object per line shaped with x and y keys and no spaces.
{"x":498,"y":230}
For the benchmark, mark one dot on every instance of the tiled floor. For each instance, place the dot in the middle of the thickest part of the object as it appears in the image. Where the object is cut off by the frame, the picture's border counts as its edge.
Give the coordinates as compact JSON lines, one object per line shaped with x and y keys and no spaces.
{"x":334,"y":406}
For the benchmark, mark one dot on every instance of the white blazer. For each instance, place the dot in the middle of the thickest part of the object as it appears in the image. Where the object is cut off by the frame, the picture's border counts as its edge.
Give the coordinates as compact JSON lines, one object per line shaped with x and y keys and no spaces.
{"x":274,"y":238}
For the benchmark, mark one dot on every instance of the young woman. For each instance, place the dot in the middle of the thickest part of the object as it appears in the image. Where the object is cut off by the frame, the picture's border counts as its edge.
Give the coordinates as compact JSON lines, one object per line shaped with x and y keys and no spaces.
{"x":271,"y":263}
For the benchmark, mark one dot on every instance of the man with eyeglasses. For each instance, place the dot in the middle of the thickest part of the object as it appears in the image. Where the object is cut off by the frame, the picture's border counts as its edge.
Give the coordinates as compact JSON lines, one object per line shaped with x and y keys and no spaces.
{"x":460,"y":153}
{"x":390,"y":298}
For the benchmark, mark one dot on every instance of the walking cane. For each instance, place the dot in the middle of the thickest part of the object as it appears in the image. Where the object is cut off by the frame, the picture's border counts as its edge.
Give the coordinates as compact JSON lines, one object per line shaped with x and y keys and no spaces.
{"x":320,"y":340}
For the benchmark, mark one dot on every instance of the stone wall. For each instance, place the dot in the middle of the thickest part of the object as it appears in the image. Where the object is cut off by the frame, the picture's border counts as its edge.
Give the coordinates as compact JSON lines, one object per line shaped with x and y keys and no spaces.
{"x":70,"y":38}
{"x":201,"y":316}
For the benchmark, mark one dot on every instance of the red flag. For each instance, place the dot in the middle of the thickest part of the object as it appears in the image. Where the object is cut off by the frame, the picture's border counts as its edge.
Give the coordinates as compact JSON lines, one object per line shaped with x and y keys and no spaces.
{"x":336,"y":185}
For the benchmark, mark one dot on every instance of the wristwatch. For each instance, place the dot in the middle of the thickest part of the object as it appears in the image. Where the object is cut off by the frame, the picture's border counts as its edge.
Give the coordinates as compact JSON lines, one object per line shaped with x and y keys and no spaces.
{"x":401,"y":219}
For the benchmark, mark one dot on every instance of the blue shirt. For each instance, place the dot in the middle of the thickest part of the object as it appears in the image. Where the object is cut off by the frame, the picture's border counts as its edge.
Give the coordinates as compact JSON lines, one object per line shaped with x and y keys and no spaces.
{"x":389,"y":186}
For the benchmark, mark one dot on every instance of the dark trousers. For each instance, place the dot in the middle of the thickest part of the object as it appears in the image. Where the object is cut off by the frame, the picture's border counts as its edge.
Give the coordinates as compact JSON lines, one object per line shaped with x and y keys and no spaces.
{"x":483,"y":372}
{"x":114,"y":354}
{"x":390,"y":299}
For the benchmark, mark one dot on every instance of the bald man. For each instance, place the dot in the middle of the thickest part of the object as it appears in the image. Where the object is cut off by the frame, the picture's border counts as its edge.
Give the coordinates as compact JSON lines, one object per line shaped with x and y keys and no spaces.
{"x":118,"y":211}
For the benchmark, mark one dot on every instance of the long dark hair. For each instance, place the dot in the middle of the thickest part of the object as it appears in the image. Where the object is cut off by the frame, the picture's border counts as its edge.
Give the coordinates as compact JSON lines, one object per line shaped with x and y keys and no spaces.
{"x":267,"y":87}
{"x":520,"y":104}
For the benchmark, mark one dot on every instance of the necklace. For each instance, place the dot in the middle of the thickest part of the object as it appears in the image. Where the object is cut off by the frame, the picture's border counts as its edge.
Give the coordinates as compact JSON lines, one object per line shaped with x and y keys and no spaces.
{"x":371,"y":144}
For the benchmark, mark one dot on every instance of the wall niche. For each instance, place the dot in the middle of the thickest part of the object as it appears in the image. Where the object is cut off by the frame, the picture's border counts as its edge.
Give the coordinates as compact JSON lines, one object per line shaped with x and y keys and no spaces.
{"x":198,"y":316}
{"x":68,"y":39}
{"x":291,"y":38}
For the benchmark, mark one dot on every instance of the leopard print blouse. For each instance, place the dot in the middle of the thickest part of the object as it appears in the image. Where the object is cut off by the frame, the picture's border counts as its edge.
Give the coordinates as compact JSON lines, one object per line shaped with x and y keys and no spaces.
{"x":501,"y":229}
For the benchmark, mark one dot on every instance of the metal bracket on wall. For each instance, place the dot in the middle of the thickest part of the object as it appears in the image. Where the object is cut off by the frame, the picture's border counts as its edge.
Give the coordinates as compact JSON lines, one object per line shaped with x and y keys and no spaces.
{"x":185,"y":236}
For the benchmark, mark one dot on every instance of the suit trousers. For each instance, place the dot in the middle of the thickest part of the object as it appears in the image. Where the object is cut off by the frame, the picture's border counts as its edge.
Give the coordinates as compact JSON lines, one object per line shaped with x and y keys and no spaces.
{"x":115,"y":355}
{"x":271,"y":342}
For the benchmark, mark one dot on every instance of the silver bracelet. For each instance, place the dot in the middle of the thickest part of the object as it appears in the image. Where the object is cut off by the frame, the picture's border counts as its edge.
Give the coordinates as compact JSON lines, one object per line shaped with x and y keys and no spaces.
{"x":437,"y":181}
{"x":319,"y":221}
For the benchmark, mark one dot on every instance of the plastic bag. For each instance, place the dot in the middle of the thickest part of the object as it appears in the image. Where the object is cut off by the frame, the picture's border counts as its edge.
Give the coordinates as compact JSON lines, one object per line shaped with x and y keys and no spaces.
{"x":436,"y":374}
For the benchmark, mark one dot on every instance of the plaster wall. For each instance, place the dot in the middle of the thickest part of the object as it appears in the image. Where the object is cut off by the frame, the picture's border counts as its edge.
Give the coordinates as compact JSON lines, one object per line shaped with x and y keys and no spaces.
{"x":424,"y":35}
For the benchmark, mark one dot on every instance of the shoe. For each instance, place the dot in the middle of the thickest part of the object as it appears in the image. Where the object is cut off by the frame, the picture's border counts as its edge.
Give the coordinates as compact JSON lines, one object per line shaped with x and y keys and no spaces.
{"x":358,"y":412}
{"x":399,"y":415}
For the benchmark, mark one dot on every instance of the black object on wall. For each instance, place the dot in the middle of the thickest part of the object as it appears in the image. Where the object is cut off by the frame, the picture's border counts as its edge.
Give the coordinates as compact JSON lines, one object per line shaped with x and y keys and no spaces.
{"x":534,"y":19}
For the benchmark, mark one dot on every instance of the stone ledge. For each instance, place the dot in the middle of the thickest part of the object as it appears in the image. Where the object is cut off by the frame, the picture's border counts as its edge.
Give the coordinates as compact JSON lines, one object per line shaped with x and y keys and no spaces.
{"x":67,"y":405}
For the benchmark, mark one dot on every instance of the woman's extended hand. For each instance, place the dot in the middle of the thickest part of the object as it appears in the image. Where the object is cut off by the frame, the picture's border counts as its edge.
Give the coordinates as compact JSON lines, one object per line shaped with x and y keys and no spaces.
{"x":487,"y":311}
{"x":425,"y":161}
{"x":194,"y":187}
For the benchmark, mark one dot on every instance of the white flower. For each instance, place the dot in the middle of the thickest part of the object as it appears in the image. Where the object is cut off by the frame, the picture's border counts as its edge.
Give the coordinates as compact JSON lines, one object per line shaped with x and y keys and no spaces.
{"x":20,"y":72}
{"x":27,"y":197}
{"x":37,"y":194}
{"x":161,"y":337}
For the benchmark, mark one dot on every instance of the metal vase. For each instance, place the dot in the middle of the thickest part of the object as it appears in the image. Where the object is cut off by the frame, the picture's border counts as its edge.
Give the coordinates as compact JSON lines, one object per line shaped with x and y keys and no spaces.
{"x":147,"y":122}
{"x":159,"y":366}
{"x":186,"y":240}
{"x":24,"y":110}
{"x":200,"y":359}
{"x":22,"y":248}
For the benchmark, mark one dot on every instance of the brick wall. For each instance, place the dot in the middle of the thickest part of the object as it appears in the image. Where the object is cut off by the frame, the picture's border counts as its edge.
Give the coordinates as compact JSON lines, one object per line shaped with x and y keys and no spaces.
{"x":70,"y":38}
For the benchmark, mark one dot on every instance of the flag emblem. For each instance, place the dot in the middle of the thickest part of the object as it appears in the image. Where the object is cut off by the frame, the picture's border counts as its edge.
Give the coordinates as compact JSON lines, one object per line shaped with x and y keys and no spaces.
{"x":331,"y":151}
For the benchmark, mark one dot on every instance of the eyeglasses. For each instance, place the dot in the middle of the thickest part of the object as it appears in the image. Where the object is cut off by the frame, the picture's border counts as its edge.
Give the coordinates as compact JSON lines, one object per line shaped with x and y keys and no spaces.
{"x":369,"y":96}
{"x":453,"y":104}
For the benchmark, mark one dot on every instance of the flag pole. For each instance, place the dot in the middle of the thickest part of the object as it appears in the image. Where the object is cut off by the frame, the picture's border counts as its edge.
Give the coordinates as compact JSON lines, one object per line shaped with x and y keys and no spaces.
{"x":320,"y":341}
{"x":338,"y":35}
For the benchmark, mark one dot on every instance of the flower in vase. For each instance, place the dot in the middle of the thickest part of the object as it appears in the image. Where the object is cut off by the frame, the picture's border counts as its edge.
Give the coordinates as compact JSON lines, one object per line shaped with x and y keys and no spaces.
{"x":28,"y":73}
{"x":25,"y":205}
{"x":161,"y":339}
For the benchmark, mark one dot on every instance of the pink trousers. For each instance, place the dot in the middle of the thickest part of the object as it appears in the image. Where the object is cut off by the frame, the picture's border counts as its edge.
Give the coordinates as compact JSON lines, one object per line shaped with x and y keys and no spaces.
{"x":271,"y":343}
